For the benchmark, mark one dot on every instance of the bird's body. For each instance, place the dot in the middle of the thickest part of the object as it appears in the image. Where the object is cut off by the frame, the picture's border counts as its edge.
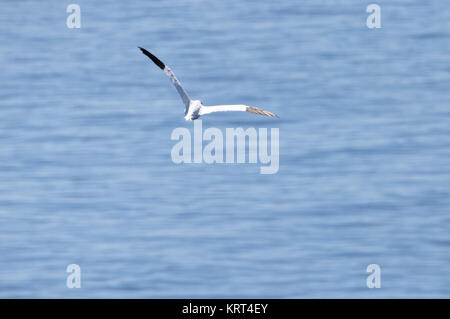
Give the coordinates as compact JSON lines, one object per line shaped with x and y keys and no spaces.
{"x":195,"y":108}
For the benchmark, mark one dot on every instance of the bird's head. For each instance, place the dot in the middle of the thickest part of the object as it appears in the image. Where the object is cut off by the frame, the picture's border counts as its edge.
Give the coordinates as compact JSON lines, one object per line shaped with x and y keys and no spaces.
{"x":196,"y":103}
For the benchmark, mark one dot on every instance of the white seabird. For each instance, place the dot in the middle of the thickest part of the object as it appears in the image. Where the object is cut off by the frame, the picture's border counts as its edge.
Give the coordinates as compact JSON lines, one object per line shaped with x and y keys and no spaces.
{"x":194,"y":108}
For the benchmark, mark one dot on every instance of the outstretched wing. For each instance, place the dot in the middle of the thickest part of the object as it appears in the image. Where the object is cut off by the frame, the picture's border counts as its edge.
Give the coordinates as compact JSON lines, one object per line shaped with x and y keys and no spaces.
{"x":171,"y":75}
{"x":239,"y":107}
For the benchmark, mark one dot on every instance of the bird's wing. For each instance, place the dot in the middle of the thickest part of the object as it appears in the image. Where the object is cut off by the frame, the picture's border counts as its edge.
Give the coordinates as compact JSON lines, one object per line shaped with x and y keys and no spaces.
{"x":239,"y":107}
{"x":171,"y":75}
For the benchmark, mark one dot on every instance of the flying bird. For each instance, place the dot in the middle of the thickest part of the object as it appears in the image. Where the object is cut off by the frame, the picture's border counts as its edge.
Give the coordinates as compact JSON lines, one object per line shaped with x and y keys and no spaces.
{"x":195,"y":108}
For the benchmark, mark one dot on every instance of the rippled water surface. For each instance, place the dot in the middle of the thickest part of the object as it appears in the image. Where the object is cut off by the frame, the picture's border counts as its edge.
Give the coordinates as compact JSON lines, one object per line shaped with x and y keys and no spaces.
{"x":86,"y":175}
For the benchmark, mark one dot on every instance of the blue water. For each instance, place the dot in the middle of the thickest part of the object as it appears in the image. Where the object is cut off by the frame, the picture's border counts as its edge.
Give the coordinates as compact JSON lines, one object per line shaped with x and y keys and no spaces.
{"x":86,"y":175}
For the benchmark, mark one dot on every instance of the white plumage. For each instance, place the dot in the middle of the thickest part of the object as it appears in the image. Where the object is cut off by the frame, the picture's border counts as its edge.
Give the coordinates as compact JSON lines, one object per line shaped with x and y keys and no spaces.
{"x":195,"y":108}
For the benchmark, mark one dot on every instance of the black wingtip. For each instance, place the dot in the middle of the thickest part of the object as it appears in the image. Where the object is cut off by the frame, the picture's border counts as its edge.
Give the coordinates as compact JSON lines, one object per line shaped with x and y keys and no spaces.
{"x":157,"y":61}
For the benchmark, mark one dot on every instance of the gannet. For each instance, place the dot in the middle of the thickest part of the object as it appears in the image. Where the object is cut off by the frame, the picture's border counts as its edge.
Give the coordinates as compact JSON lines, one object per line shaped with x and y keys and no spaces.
{"x":195,"y":108}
